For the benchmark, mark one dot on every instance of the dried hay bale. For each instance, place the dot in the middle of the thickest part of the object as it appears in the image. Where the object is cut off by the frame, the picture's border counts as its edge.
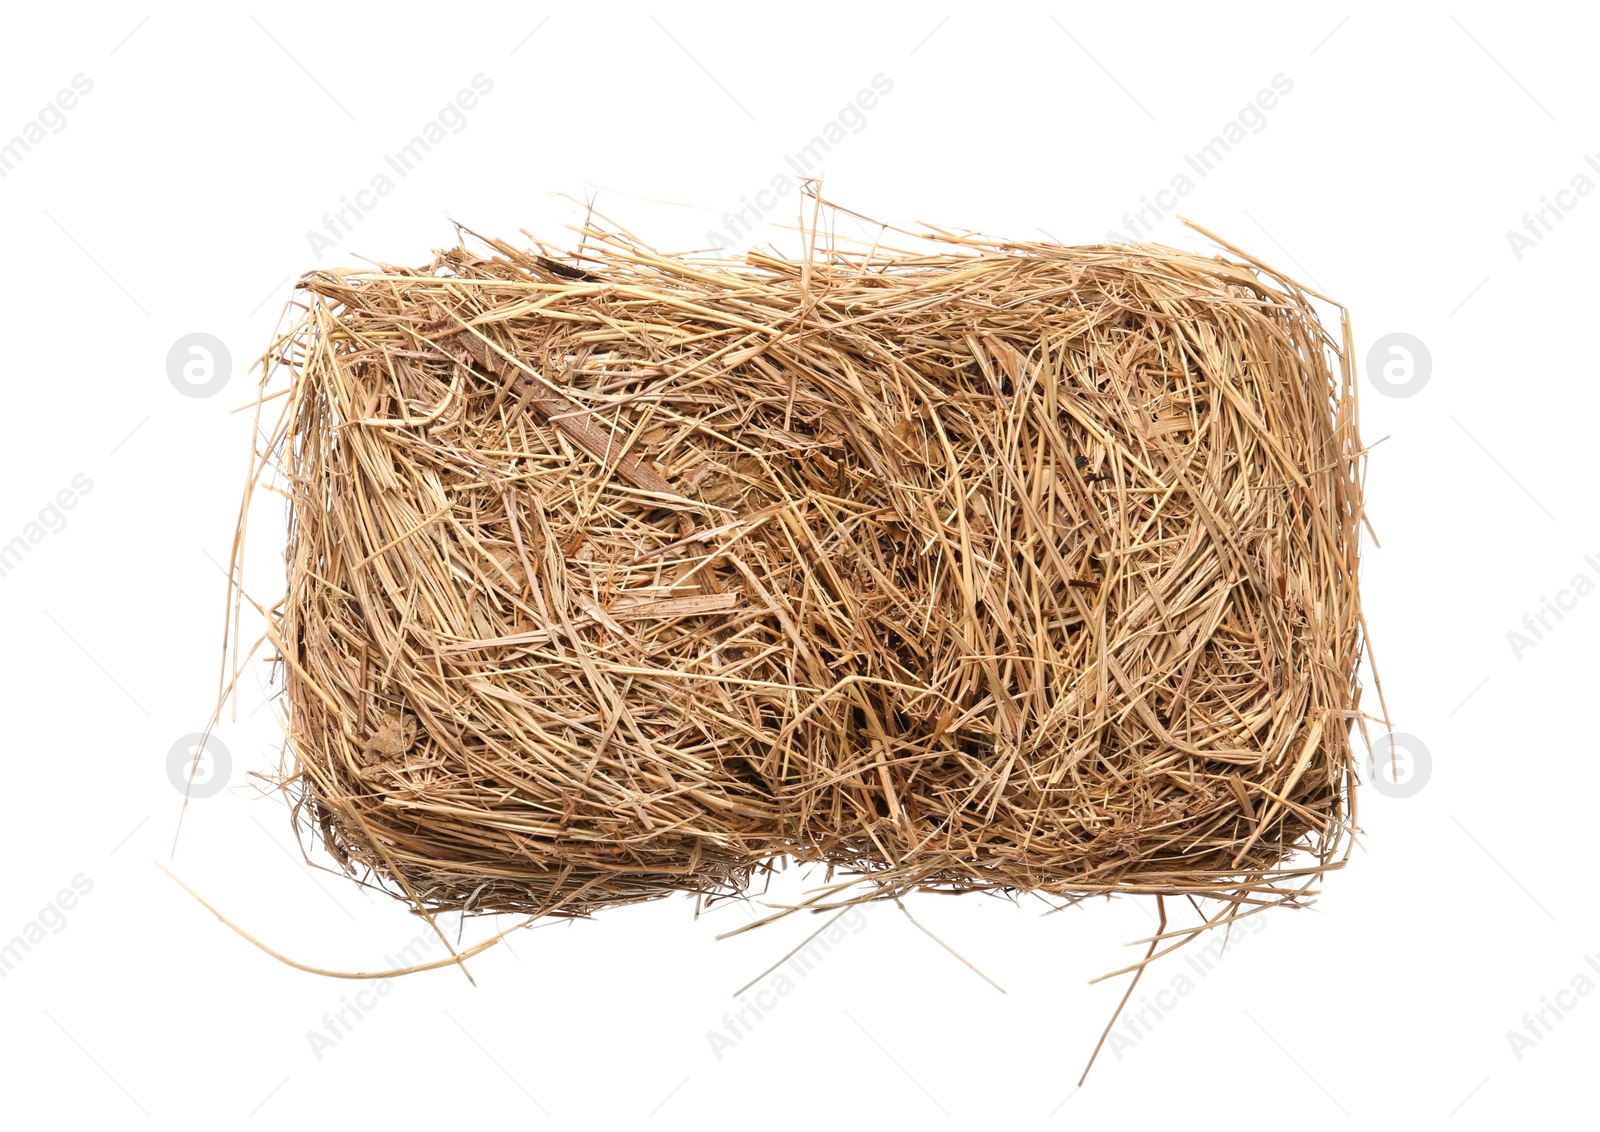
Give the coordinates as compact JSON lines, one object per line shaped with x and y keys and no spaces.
{"x":1002,"y":566}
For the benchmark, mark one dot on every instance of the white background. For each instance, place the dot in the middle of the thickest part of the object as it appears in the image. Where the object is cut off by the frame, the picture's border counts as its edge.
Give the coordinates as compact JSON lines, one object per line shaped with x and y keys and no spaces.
{"x":177,"y":199}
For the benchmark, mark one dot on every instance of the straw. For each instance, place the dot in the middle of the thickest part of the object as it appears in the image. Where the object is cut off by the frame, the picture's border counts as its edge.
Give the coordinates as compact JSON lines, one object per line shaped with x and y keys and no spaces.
{"x":977,"y":566}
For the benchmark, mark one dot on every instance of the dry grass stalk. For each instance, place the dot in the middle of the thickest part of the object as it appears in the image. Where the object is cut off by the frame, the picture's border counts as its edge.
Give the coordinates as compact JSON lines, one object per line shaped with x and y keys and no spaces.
{"x":1001,"y":566}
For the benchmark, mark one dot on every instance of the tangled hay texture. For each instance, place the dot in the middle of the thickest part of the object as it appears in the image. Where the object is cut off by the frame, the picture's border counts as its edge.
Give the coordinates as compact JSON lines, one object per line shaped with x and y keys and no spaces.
{"x":1005,"y":566}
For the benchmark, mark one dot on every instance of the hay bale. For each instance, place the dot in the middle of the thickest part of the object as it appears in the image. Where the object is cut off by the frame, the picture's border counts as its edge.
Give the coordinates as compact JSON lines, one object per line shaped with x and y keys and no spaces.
{"x":1002,"y":566}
